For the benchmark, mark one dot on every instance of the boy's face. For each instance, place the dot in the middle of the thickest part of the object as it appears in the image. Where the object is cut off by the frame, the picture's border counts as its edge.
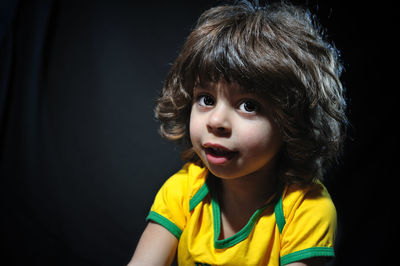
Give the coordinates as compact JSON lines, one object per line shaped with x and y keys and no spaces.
{"x":231,"y":131}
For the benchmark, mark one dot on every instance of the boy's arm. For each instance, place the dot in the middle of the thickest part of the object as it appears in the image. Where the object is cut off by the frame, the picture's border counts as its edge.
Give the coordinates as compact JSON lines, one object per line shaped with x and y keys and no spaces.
{"x":157,"y":246}
{"x":317,"y":261}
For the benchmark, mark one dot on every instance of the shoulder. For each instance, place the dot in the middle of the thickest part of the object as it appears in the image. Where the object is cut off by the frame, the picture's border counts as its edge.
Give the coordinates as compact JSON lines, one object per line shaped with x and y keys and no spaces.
{"x":306,"y":219}
{"x":180,"y":188}
{"x":187,"y":180}
{"x":171,"y":206}
{"x":313,"y":198}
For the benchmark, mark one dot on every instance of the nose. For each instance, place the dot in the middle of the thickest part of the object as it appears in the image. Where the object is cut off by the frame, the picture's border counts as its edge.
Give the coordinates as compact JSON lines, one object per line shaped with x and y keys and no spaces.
{"x":219,"y":121}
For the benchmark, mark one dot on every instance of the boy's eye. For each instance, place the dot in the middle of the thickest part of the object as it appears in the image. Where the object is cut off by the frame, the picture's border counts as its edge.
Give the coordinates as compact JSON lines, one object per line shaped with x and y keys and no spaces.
{"x":249,"y":106}
{"x":205,"y":100}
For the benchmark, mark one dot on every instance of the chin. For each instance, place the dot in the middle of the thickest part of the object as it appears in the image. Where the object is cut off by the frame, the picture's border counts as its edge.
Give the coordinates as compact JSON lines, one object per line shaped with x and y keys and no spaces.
{"x":223,"y":171}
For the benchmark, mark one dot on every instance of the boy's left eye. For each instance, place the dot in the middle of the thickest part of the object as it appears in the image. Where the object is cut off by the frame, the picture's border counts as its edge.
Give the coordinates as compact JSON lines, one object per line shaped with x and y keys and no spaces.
{"x":249,"y":106}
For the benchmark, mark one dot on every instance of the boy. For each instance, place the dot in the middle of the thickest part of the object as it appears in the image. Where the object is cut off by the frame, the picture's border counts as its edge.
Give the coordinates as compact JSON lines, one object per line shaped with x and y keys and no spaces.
{"x":255,"y":100}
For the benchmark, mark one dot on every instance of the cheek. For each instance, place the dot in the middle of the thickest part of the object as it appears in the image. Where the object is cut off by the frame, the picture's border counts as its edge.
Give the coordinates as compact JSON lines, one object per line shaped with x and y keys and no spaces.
{"x":194,"y":129}
{"x":261,"y":138}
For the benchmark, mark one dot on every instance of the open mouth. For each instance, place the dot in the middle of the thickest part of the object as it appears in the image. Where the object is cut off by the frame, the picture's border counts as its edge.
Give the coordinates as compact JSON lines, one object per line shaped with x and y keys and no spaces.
{"x":218,"y":154}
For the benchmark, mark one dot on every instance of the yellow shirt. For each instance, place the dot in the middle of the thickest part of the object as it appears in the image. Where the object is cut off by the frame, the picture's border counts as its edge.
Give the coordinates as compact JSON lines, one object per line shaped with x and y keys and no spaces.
{"x":300,"y":225}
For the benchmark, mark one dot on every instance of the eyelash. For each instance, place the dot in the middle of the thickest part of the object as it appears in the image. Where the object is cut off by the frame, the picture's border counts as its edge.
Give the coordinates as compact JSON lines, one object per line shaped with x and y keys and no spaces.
{"x":202,"y":98}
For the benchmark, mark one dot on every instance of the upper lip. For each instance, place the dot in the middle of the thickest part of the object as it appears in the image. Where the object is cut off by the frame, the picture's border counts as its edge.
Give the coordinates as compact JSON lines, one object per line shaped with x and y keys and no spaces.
{"x":216,"y":147}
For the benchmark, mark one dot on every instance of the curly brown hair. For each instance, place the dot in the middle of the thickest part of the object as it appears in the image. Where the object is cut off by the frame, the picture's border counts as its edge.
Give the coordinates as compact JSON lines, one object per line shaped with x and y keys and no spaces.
{"x":278,"y":52}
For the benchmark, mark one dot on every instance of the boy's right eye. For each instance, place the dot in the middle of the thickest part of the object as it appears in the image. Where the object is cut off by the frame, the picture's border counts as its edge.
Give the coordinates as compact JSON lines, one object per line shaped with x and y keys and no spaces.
{"x":205,"y":100}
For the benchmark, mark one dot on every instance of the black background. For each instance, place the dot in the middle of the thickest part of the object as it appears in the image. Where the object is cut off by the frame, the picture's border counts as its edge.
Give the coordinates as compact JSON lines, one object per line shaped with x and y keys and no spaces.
{"x":81,"y":159}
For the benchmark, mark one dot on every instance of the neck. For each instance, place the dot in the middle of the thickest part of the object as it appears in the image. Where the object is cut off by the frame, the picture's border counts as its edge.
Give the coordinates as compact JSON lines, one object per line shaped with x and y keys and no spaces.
{"x":239,"y":198}
{"x":248,"y":192}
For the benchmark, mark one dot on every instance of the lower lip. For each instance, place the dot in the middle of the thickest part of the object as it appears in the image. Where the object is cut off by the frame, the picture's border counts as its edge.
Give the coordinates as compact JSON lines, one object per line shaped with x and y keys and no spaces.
{"x":213,"y":159}
{"x":216,"y":159}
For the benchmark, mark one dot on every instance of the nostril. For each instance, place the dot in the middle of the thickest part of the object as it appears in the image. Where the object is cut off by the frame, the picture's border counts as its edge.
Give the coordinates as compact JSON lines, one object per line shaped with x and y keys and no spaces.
{"x":217,"y":129}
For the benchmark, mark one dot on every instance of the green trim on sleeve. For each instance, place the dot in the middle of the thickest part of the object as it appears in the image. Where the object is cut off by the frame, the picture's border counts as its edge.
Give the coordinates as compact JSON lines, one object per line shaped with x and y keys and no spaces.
{"x":279,"y":216}
{"x":170,"y":226}
{"x":199,"y":196}
{"x":308,"y":253}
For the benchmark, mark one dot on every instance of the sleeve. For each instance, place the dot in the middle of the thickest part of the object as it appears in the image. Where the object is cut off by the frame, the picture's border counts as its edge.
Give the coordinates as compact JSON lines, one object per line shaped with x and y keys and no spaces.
{"x":170,"y":204}
{"x":310,"y":226}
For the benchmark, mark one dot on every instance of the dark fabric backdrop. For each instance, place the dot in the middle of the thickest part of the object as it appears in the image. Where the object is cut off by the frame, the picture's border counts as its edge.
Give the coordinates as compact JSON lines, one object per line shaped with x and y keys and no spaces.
{"x":80,"y":157}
